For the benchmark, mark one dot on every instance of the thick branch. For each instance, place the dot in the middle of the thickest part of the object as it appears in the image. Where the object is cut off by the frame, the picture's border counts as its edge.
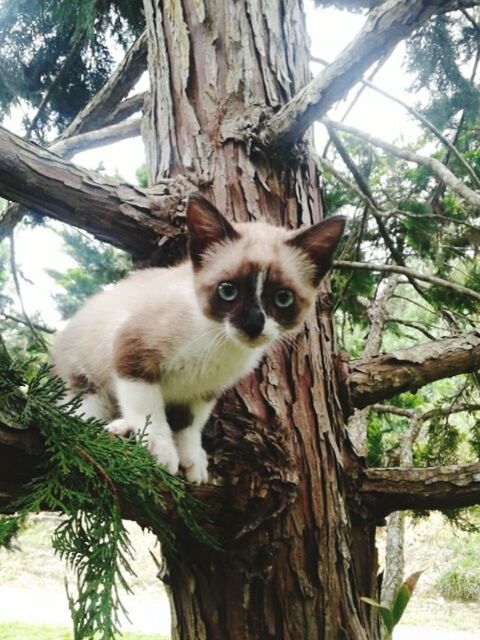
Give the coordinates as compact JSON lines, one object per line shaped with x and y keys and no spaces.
{"x":383,"y":491}
{"x":387,"y":25}
{"x":370,"y":380}
{"x":129,"y":217}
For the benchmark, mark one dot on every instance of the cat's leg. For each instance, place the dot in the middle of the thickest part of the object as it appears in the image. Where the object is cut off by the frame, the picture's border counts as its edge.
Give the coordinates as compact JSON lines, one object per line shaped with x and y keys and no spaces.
{"x":143,"y":410}
{"x":92,"y":405}
{"x":193,"y":457}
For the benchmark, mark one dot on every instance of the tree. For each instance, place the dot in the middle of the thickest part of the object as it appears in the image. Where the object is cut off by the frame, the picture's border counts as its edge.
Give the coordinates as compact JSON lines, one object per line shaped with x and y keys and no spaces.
{"x":228,"y":113}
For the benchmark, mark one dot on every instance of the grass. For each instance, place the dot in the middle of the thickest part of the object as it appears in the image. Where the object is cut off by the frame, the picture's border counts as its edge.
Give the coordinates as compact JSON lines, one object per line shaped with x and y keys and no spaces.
{"x":20,"y":631}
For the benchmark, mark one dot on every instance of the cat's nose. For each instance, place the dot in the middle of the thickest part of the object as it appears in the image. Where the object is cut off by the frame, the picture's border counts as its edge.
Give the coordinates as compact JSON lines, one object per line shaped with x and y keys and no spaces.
{"x":254,"y":323}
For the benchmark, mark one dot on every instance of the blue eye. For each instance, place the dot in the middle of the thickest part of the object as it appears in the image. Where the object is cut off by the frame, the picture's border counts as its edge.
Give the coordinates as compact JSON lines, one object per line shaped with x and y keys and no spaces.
{"x":227,"y":291}
{"x":284,"y":298}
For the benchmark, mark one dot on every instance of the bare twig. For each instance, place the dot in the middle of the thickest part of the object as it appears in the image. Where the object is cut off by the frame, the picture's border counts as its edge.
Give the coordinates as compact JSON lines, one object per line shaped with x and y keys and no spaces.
{"x":443,"y":172}
{"x":13,"y":267}
{"x":390,"y":268}
{"x":421,"y":118}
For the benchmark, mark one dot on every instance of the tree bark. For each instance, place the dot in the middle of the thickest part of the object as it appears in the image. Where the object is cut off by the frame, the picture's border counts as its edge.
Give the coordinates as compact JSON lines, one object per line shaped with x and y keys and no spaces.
{"x":398,"y":488}
{"x":289,"y":570}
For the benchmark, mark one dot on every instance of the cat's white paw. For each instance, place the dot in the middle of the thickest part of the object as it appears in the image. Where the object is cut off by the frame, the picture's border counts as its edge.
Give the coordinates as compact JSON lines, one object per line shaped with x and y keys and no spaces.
{"x":120,"y":427}
{"x":195,"y":465}
{"x":163,"y":449}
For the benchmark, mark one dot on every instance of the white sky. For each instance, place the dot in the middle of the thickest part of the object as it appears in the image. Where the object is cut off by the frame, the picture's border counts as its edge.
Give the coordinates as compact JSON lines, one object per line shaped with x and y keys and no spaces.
{"x":330,"y":31}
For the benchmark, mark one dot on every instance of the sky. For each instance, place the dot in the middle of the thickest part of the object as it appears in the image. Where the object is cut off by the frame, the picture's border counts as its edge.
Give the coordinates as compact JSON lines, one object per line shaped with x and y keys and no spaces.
{"x":330,"y":31}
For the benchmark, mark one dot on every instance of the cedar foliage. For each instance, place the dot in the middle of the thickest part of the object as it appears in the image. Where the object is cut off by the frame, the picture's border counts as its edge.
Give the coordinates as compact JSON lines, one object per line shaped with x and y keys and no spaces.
{"x":89,"y":476}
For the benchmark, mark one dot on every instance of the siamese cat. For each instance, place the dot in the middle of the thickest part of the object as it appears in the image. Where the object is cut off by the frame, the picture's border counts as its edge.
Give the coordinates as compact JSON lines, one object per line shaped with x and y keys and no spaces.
{"x":154,"y":352}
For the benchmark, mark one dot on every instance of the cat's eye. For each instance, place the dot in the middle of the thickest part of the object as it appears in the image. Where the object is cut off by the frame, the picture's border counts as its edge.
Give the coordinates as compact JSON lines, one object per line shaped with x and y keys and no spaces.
{"x":284,"y":298}
{"x":227,"y":291}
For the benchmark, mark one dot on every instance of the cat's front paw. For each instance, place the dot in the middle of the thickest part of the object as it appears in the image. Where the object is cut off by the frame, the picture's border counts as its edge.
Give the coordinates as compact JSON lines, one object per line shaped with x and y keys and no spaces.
{"x":164,"y":451}
{"x":195,"y":465}
{"x":120,"y":427}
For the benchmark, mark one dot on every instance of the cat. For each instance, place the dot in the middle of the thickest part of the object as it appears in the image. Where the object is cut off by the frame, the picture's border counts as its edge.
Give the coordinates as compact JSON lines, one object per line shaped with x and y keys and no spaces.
{"x":155,"y":351}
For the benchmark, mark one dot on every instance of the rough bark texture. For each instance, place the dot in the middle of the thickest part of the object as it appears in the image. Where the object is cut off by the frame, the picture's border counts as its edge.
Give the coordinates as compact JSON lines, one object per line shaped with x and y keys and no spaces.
{"x":277,"y":442}
{"x":374,"y":379}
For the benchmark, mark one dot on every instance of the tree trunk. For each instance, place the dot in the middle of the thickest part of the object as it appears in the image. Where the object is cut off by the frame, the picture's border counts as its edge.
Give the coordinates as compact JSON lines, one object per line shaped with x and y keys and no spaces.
{"x":294,"y":563}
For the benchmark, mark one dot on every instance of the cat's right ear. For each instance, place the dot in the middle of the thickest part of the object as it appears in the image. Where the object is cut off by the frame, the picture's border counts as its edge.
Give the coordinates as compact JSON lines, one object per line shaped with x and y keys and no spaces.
{"x":206,"y":226}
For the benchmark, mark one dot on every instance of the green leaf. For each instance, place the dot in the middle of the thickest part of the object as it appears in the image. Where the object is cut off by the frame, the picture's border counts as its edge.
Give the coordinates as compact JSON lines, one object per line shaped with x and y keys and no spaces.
{"x":387,"y":615}
{"x":402,"y":598}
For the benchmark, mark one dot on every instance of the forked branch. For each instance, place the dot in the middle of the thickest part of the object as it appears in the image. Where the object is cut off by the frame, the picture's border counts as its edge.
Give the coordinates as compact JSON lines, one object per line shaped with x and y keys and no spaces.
{"x":386,"y":25}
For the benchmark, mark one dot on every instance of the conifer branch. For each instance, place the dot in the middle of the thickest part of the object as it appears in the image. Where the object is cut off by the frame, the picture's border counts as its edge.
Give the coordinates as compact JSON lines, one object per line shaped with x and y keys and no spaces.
{"x":101,"y":106}
{"x":97,"y":138}
{"x":367,"y":381}
{"x":65,"y":67}
{"x":127,"y":216}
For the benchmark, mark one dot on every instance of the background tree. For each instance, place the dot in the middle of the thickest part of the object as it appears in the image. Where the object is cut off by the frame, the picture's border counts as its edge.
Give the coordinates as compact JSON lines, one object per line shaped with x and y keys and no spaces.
{"x":228,"y":113}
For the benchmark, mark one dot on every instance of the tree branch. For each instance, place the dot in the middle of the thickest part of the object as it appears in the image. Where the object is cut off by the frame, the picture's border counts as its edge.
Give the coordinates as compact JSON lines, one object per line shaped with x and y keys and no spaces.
{"x":129,"y":217}
{"x":386,"y":25}
{"x":442,"y":171}
{"x":390,"y":268}
{"x":383,"y":491}
{"x":421,"y":118}
{"x":97,"y":138}
{"x":126,"y":108}
{"x":100,"y":107}
{"x":56,"y":81}
{"x":369,"y":380}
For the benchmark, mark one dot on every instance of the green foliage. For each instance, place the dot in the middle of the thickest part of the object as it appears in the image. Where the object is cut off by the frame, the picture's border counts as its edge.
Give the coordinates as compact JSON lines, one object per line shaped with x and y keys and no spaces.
{"x":392,"y":616}
{"x":87,"y":475}
{"x":37,"y":36}
{"x":461,"y":580}
{"x":97,"y":265}
{"x":441,"y":446}
{"x":437,"y":53}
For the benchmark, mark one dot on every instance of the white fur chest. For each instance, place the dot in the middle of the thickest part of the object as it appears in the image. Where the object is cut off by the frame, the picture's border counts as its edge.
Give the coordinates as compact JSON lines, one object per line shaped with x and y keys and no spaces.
{"x":207,"y":364}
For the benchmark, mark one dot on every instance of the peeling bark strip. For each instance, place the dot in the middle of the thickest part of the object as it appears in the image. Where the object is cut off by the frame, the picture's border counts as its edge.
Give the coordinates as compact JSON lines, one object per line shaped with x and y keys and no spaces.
{"x":128,"y":217}
{"x":386,"y":25}
{"x":374,"y":379}
{"x":384,"y":491}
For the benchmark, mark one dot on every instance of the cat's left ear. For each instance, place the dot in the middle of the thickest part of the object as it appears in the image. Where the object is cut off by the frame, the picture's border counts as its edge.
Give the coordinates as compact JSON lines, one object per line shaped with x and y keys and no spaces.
{"x":206,"y":226}
{"x":319,"y":243}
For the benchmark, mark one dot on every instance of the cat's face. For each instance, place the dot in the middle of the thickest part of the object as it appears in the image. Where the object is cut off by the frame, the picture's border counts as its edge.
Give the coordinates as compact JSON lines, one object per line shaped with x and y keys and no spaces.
{"x":256,"y":279}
